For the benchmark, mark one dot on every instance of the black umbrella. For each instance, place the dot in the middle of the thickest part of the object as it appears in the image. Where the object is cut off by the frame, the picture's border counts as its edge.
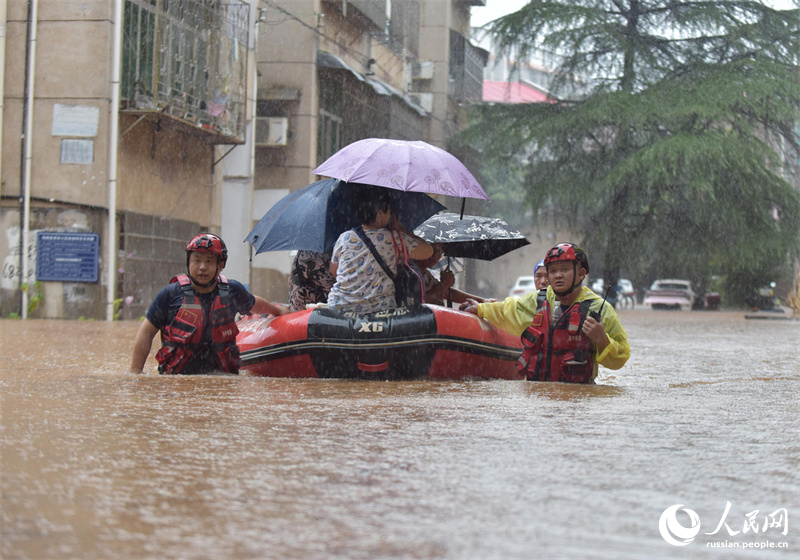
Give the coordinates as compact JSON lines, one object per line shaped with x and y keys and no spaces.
{"x":474,"y":237}
{"x":312,"y":218}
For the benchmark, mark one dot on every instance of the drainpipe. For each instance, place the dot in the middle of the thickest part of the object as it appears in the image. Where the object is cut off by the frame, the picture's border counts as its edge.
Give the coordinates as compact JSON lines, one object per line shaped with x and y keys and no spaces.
{"x":261,"y":17}
{"x":3,"y":23}
{"x":30,"y":62}
{"x":113,"y":146}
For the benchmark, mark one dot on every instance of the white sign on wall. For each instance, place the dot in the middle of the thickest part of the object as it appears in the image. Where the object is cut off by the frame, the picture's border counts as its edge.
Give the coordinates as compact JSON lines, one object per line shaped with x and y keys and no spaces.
{"x":75,"y":120}
{"x":77,"y":150}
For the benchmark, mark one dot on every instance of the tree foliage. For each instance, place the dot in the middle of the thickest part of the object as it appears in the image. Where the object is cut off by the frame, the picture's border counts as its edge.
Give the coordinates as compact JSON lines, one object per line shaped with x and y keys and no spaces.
{"x":674,"y":163}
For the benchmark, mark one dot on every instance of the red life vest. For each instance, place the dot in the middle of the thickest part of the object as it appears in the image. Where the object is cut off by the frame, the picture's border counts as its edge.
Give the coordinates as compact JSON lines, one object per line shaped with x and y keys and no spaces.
{"x":184,"y":336}
{"x":557,"y":351}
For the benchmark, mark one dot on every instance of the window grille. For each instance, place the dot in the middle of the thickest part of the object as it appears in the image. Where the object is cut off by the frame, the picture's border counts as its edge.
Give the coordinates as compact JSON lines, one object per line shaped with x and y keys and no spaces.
{"x":187,"y":58}
{"x":466,"y":69}
{"x":329,"y":135}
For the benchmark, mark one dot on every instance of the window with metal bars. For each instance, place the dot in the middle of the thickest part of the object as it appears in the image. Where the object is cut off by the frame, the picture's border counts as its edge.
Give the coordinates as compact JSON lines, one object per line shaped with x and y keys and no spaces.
{"x":187,"y":58}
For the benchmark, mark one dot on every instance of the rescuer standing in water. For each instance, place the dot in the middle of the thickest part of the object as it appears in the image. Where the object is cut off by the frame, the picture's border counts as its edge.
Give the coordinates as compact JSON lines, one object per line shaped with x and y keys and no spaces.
{"x":196,"y":314}
{"x":567,"y":330}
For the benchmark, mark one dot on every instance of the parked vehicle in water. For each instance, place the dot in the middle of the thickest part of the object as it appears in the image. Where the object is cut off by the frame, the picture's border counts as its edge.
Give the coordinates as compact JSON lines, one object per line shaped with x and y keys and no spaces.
{"x":670,"y":294}
{"x":523,"y":285}
{"x":764,"y":299}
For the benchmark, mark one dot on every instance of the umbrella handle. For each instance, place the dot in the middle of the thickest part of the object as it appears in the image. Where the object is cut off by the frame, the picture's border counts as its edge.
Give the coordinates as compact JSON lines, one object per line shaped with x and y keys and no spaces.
{"x":449,"y":299}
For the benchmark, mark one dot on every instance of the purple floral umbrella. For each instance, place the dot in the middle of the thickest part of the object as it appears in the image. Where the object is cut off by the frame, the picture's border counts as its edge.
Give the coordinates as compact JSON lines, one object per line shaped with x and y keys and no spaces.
{"x":403,"y":165}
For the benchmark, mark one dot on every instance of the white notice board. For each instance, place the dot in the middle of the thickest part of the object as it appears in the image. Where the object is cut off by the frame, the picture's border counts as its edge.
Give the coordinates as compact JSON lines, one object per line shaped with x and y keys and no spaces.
{"x":75,"y":120}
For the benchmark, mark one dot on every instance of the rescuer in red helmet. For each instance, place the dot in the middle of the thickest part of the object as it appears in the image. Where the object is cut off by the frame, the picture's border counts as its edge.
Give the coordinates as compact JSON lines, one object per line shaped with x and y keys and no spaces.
{"x":196,"y":314}
{"x":566,"y":329}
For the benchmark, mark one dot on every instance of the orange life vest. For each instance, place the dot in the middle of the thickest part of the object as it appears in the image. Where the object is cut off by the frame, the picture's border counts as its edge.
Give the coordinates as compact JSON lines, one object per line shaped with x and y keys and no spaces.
{"x":183,"y":338}
{"x":557,"y":351}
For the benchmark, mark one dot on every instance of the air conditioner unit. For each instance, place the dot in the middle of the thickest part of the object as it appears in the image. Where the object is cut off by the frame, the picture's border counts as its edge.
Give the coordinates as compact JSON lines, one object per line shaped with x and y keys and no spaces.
{"x":424,"y":100}
{"x":272,"y":131}
{"x":422,"y":70}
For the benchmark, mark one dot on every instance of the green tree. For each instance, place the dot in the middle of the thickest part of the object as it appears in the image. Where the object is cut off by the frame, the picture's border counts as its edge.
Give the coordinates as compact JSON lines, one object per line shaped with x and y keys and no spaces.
{"x":674,"y":160}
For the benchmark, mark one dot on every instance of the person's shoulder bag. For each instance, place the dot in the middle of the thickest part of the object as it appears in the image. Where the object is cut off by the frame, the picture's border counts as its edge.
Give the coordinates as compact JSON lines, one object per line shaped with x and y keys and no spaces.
{"x":409,"y":286}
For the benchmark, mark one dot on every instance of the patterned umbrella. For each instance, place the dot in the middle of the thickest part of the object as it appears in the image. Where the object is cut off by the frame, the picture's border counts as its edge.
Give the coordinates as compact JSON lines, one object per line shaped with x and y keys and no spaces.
{"x":474,"y":237}
{"x":402,"y":165}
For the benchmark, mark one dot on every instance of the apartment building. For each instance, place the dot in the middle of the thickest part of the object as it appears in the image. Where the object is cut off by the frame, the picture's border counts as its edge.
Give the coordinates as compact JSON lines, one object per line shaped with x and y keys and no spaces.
{"x":130,"y":125}
{"x":333,"y":72}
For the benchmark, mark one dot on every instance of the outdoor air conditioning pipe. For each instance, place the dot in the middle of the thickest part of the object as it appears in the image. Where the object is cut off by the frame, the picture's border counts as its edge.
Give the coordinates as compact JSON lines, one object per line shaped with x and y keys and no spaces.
{"x":30,"y":63}
{"x":3,"y":25}
{"x":113,"y":147}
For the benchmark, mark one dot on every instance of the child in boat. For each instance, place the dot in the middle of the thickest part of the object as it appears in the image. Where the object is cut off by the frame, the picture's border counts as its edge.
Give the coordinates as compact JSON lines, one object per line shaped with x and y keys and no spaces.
{"x":567,"y":330}
{"x":361,"y":284}
{"x":196,"y":315}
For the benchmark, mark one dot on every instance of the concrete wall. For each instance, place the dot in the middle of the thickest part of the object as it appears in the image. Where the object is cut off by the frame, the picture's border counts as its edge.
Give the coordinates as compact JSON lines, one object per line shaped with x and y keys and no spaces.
{"x":165,"y":170}
{"x":72,"y":71}
{"x":72,"y":68}
{"x":59,"y":300}
{"x":152,"y":251}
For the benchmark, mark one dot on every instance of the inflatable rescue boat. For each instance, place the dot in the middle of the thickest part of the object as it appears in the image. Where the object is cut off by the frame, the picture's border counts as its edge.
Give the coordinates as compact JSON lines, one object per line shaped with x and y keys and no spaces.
{"x":426,"y":341}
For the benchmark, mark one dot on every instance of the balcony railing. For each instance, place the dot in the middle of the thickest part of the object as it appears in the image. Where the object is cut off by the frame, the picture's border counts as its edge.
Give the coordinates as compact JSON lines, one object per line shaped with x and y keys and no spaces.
{"x":188,"y":59}
{"x":466,"y":69}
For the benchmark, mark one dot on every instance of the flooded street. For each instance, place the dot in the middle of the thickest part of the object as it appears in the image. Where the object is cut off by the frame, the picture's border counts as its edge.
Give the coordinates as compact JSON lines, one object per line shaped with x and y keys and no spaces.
{"x":101,"y":464}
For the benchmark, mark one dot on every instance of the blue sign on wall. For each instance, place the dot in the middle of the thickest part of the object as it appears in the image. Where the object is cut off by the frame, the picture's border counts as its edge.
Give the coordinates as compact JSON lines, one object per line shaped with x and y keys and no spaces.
{"x":67,"y":257}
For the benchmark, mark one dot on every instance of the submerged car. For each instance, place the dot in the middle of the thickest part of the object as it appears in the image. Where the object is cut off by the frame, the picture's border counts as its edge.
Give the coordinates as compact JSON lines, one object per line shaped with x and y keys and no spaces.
{"x":670,"y":294}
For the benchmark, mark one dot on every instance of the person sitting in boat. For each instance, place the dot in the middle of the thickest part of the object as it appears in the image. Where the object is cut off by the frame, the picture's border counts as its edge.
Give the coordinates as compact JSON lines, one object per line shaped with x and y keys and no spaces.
{"x":438,"y":291}
{"x":196,"y":314}
{"x":310,"y":279}
{"x":362,"y":286}
{"x":567,"y":329}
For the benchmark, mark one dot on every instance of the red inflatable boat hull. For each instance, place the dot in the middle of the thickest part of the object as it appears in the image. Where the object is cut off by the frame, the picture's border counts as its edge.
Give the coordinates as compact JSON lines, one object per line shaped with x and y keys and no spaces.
{"x":408,"y":343}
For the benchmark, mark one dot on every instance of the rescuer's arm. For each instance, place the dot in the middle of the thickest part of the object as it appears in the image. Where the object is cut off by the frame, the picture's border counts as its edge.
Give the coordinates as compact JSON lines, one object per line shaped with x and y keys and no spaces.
{"x":616,"y":350}
{"x":141,"y":346}
{"x":263,"y":307}
{"x":457,"y":296}
{"x":513,"y":314}
{"x":596,"y":332}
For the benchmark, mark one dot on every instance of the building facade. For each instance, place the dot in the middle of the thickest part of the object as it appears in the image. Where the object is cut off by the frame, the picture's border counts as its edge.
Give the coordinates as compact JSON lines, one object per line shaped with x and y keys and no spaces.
{"x":333,"y":72}
{"x":143,"y":122}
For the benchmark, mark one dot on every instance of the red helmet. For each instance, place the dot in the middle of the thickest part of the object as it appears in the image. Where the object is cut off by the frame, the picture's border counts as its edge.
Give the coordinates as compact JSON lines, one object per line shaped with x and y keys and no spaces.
{"x":208,"y":243}
{"x":567,"y":252}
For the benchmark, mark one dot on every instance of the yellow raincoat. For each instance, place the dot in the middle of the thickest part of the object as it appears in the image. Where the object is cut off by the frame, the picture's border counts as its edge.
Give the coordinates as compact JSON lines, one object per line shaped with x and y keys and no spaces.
{"x":516,"y":314}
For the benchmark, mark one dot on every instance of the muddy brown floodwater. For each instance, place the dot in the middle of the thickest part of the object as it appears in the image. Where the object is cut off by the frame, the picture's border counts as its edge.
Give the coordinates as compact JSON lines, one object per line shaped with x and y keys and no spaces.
{"x":98,"y":463}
